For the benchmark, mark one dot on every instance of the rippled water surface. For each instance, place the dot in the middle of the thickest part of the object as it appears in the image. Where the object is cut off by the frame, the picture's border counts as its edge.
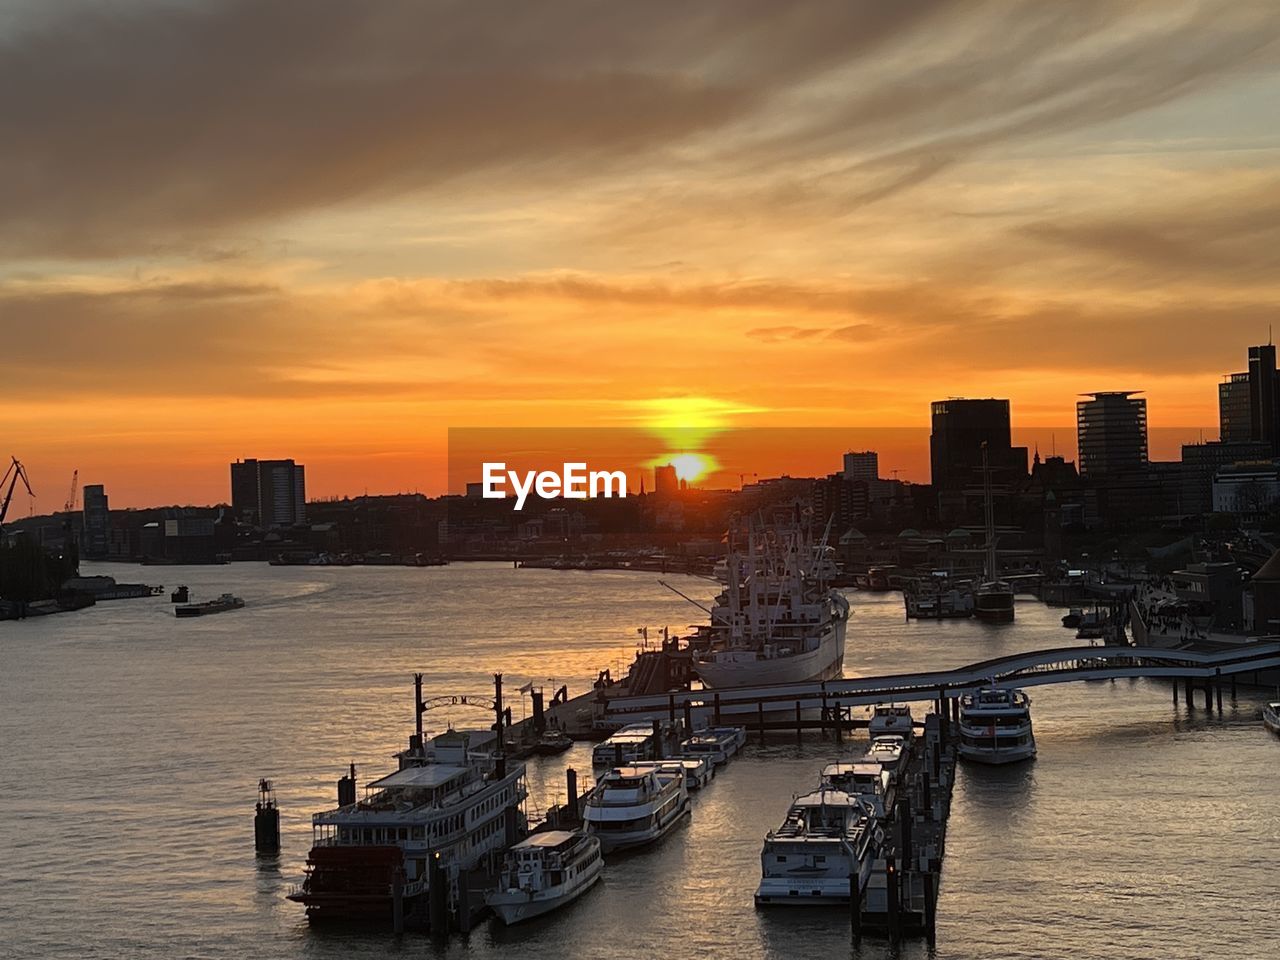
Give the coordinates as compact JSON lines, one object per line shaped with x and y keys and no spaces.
{"x":132,"y":743}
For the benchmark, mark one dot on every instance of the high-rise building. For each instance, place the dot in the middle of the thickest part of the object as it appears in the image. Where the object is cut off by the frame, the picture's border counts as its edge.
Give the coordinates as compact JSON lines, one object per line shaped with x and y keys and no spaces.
{"x":96,"y":517}
{"x":1249,"y":403}
{"x":1235,"y":409}
{"x":960,"y":429}
{"x":665,"y":483}
{"x":862,"y":465}
{"x":1111,"y":432}
{"x":269,"y":493}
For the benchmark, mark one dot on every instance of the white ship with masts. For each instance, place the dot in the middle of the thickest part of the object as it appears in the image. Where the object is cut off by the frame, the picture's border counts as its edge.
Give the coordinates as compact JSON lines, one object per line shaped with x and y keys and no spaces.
{"x":993,"y":599}
{"x":778,"y":619}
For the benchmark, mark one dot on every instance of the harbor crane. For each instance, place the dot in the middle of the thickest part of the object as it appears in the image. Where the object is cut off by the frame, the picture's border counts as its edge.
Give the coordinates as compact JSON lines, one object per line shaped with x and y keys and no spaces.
{"x":15,"y":473}
{"x":70,"y":505}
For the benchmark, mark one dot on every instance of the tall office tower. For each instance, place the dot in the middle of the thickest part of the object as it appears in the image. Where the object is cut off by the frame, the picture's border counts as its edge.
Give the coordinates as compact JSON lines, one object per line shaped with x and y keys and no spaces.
{"x":1111,"y":432}
{"x":960,"y":428}
{"x":96,"y":515}
{"x":269,"y":493}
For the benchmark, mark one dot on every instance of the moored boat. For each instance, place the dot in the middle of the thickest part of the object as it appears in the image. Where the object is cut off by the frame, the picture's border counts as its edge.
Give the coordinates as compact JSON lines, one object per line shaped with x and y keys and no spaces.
{"x":995,"y":726}
{"x":827,"y":837}
{"x":544,"y":872}
{"x":632,"y":806}
{"x":454,"y":798}
{"x":1271,"y":717}
{"x":891,"y":719}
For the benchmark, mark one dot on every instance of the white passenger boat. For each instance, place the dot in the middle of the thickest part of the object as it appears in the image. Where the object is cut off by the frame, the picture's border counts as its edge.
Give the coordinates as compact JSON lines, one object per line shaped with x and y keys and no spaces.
{"x":778,"y":620}
{"x":828,"y":836}
{"x":635,"y":805}
{"x":865,"y":777}
{"x":891,"y":719}
{"x":454,"y":797}
{"x":633,"y":742}
{"x":545,"y":872}
{"x":1271,"y":717}
{"x":718,"y":743}
{"x":995,"y":726}
{"x":698,"y":771}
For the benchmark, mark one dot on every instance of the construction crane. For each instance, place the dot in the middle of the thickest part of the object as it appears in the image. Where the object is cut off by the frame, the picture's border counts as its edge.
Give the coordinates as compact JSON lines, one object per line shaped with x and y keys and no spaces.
{"x":70,"y":505}
{"x":15,"y":472}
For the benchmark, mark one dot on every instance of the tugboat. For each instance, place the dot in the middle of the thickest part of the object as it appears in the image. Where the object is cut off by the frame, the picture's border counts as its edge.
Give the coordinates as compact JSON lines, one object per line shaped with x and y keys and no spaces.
{"x":222,"y":604}
{"x":546,"y":871}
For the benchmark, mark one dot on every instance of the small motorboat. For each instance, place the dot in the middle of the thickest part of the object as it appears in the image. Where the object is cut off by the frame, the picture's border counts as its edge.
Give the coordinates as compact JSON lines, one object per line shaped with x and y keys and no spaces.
{"x":1271,"y":716}
{"x":552,"y":742}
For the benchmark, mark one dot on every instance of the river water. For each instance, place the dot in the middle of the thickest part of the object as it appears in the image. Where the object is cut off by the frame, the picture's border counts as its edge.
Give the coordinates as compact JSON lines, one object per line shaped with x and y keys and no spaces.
{"x":132,"y":745}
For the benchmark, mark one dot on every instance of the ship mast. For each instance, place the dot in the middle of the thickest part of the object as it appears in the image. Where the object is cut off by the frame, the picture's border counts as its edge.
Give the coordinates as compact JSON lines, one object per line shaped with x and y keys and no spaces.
{"x":989,"y":515}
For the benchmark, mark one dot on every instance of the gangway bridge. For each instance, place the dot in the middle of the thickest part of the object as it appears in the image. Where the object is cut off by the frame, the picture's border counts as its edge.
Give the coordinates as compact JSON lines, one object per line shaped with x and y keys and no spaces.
{"x":831,"y":699}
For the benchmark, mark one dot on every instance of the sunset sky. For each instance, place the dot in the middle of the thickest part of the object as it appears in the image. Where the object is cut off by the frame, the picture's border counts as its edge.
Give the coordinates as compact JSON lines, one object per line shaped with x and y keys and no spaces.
{"x":332,"y":230}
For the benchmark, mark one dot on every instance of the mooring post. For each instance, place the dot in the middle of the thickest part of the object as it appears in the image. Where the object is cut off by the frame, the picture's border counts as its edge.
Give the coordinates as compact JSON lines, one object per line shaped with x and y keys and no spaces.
{"x":688,"y":718}
{"x":798,"y":723}
{"x":571,"y":784}
{"x":760,"y":717}
{"x":855,"y":904}
{"x":930,"y":908}
{"x":1187,"y":690}
{"x":464,"y":903}
{"x":671,"y":708}
{"x":1233,"y":688}
{"x":418,"y":706}
{"x":1217,"y":692}
{"x":891,"y":896}
{"x":397,"y":902}
{"x":437,"y":897}
{"x":1175,"y":692}
{"x":657,"y":739}
{"x":839,"y":719}
{"x":717,"y":709}
{"x":1208,"y":695}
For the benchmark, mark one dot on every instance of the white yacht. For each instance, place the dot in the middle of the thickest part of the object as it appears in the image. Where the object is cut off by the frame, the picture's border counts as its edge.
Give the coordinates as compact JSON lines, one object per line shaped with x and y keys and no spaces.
{"x":454,"y":796}
{"x":995,"y":726}
{"x":936,"y":598}
{"x":828,"y":836}
{"x":1271,"y":717}
{"x":888,"y":751}
{"x":696,"y":770}
{"x":891,"y":719}
{"x":636,"y":741}
{"x":633,"y":806}
{"x":778,"y":619}
{"x":718,"y":743}
{"x":545,"y":872}
{"x":865,"y":777}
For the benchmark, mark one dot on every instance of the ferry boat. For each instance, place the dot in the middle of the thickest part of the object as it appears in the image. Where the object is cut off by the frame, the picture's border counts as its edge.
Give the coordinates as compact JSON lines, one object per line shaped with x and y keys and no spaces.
{"x":455,"y":797}
{"x":778,"y":620}
{"x":544,"y":872}
{"x":828,"y":836}
{"x":635,"y":805}
{"x":225,"y":602}
{"x":1271,"y":717}
{"x":891,"y":719}
{"x":995,"y":726}
{"x":696,"y":770}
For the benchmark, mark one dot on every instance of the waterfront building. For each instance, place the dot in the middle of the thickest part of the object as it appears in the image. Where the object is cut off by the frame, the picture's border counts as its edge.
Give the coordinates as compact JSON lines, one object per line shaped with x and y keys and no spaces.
{"x":269,"y":493}
{"x":1111,"y":432}
{"x":96,"y":518}
{"x":1246,"y":488}
{"x":960,"y":429}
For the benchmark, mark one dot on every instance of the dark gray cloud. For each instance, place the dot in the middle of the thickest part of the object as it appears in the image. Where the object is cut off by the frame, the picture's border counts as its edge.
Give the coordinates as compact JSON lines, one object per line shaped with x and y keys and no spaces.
{"x":132,"y":128}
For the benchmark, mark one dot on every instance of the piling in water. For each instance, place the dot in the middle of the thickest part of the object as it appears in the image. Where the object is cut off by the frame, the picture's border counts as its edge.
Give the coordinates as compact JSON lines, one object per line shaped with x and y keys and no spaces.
{"x":266,"y":820}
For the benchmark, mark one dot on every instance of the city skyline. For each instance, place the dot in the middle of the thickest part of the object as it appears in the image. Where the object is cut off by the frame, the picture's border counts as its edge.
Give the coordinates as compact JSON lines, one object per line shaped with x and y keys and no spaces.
{"x":394,"y":221}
